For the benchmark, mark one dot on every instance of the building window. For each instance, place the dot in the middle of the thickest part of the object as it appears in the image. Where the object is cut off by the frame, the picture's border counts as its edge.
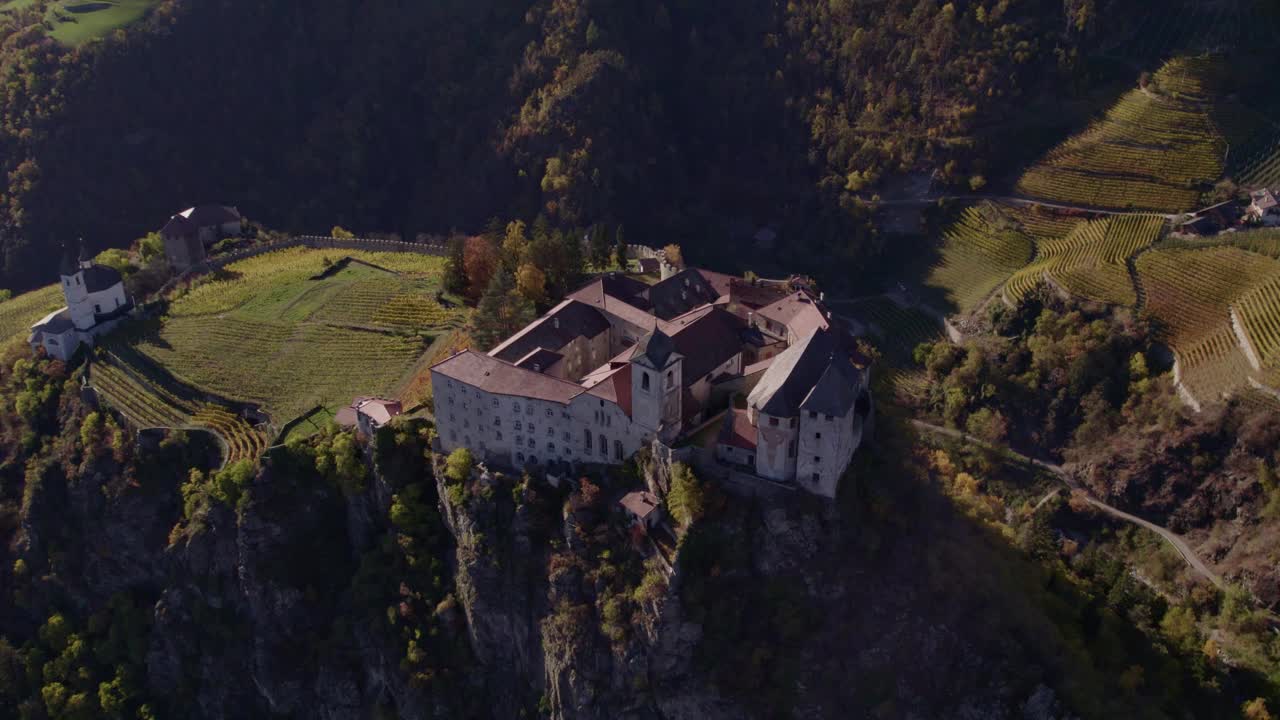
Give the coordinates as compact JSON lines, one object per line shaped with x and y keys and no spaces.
{"x":792,"y":423}
{"x":515,"y":407}
{"x":815,"y":477}
{"x":466,"y":424}
{"x":532,"y":429}
{"x":518,"y":425}
{"x":497,"y":422}
{"x":551,"y":447}
{"x":532,"y":444}
{"x":813,"y":415}
{"x":587,"y":434}
{"x":97,"y":308}
{"x":520,"y":457}
{"x":495,"y":402}
{"x":604,"y":446}
{"x":566,"y":436}
{"x":519,"y":439}
{"x":550,"y":412}
{"x":791,"y":449}
{"x":499,"y":435}
{"x":617,"y":449}
{"x":466,"y":440}
{"x":551,"y":432}
{"x":817,"y":436}
{"x":453,"y":436}
{"x":528,"y":409}
{"x":773,"y":422}
{"x":644,"y":381}
{"x":670,"y":378}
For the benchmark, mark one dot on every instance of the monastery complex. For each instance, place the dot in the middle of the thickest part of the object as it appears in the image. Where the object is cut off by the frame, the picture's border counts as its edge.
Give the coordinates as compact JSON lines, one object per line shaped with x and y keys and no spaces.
{"x":762,"y":366}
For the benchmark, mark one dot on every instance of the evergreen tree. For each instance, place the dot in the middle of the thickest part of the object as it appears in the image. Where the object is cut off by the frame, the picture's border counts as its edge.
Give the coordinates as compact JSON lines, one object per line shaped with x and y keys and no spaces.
{"x":620,"y":248}
{"x":600,"y":251}
{"x":501,"y":311}
{"x":455,"y":268}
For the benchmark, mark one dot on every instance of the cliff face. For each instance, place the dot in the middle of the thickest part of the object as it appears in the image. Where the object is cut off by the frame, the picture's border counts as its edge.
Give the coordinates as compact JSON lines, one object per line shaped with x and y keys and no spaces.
{"x":399,"y":591}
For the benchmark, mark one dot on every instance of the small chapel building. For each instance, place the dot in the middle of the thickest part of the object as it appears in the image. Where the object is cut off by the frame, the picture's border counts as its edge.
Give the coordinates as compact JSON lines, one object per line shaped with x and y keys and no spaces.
{"x":96,"y":302}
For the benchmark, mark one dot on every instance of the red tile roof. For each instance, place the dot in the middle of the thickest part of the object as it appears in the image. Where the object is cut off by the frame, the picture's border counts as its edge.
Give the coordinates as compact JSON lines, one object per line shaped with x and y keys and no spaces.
{"x":613,"y":385}
{"x":738,"y":430}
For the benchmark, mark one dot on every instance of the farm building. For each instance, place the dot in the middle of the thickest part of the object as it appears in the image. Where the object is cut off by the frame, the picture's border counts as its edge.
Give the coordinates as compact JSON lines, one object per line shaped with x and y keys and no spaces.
{"x":367,"y":414}
{"x":189,"y":232}
{"x":96,"y":301}
{"x":1263,"y":208}
{"x":619,"y":364}
{"x":642,"y":508}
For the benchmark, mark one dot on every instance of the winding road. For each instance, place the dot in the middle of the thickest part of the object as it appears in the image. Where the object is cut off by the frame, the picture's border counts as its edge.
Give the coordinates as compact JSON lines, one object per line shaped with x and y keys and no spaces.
{"x":1067,"y":479}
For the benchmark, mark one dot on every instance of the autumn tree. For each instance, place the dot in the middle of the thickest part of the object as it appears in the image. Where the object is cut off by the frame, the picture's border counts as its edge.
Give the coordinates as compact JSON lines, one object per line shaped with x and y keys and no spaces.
{"x":480,"y":259}
{"x":515,"y":243}
{"x":341,"y":233}
{"x":674,"y":255}
{"x":531,"y":283}
{"x":687,"y":499}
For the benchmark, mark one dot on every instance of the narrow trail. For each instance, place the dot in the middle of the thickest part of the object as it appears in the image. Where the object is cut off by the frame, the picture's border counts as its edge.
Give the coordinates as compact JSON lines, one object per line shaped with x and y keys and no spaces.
{"x":1016,"y":200}
{"x":1067,"y":479}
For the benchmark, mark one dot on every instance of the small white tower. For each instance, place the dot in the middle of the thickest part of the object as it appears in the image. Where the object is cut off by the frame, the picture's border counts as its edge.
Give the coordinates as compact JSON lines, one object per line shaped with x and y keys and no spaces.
{"x":656,"y":381}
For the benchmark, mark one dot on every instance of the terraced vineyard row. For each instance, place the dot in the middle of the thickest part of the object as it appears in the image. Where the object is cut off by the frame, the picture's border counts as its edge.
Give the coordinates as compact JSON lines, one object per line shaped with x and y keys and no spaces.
{"x":244,"y":442}
{"x":149,"y":404}
{"x":1090,"y":261}
{"x":898,"y":331}
{"x":980,"y":250}
{"x":1262,"y":167}
{"x":1042,"y":223}
{"x":1259,"y":311}
{"x":1150,"y":151}
{"x":376,"y":301}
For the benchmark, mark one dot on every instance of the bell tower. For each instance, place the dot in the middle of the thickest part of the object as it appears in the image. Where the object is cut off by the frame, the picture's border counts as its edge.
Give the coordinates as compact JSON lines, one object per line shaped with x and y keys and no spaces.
{"x":656,"y":382}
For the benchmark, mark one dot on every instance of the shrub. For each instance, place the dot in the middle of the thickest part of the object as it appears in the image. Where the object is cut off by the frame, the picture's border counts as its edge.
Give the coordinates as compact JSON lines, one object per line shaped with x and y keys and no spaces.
{"x":687,"y":499}
{"x":458,"y":466}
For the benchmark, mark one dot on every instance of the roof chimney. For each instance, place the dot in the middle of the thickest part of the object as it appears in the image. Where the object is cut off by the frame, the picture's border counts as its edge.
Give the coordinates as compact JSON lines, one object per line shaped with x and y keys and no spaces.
{"x":751,"y":319}
{"x":684,"y":295}
{"x":555,"y":321}
{"x":822,"y":296}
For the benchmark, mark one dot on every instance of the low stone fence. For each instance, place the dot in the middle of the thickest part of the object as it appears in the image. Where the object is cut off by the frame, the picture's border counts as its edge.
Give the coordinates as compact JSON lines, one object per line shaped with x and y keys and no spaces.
{"x":318,"y":242}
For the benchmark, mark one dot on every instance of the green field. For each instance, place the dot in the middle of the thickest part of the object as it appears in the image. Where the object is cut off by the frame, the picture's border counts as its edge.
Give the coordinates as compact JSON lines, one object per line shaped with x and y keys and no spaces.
{"x":18,"y":314}
{"x":1158,"y":148}
{"x":267,"y":331}
{"x":73,"y":22}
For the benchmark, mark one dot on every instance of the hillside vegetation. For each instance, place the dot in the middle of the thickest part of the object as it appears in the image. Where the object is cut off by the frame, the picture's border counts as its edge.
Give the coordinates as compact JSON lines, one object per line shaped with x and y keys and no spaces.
{"x":678,"y":120}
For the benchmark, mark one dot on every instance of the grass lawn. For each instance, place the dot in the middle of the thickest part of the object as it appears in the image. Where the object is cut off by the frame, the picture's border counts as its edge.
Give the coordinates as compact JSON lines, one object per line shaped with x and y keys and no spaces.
{"x":266,"y":330}
{"x":79,"y":21}
{"x":18,"y":314}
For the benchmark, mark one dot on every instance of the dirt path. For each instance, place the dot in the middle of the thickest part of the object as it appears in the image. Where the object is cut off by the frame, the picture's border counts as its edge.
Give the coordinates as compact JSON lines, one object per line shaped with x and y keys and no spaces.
{"x":928,"y":199}
{"x":1172,"y":538}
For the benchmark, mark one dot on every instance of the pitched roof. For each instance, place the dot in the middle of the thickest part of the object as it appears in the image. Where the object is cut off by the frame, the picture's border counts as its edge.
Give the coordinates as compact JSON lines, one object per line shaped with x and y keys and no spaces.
{"x":656,"y":349}
{"x":754,"y":295}
{"x":681,"y":293}
{"x":611,"y":383}
{"x":641,"y":503}
{"x":800,"y":312}
{"x":539,"y":360}
{"x":206,"y":215}
{"x":178,"y":226}
{"x":502,"y":378}
{"x":707,"y":337}
{"x":100,"y":277}
{"x":55,"y":323}
{"x":790,"y":381}
{"x":596,"y":294}
{"x":836,"y":390}
{"x":737,"y":430}
{"x":379,"y":410}
{"x":561,"y":325}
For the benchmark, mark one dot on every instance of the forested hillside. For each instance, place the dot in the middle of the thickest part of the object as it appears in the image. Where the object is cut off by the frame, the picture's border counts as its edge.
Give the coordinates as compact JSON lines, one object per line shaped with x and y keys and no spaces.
{"x":678,"y":119}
